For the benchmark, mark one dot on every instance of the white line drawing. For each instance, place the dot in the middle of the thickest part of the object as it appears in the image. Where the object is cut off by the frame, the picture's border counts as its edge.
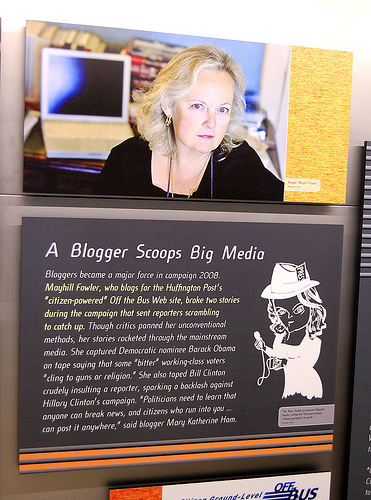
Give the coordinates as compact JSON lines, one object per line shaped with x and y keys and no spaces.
{"x":294,"y":308}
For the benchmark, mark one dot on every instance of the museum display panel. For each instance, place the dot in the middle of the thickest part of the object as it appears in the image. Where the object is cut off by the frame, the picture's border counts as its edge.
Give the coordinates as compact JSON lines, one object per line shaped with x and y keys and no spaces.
{"x":145,"y":338}
{"x":52,"y":449}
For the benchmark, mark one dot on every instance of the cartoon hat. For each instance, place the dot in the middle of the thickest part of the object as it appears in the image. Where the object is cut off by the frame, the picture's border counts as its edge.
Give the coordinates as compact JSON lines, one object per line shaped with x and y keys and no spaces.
{"x":287,"y":281}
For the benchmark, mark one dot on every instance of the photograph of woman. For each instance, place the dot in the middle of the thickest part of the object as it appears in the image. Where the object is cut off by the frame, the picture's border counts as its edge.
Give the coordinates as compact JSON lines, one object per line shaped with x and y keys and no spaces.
{"x":191,"y":141}
{"x":297,"y":319}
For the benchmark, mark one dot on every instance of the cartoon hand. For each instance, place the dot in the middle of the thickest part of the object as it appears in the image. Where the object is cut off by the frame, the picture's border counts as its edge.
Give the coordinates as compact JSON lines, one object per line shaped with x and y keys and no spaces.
{"x":259,"y":342}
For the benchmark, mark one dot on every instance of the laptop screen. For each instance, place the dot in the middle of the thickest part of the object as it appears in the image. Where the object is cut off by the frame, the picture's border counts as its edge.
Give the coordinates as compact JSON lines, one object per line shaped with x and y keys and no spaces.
{"x":84,"y":86}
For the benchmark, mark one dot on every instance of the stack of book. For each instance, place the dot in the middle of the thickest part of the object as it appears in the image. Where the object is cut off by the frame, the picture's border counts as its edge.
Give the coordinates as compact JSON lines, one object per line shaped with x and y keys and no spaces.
{"x":147,"y":56}
{"x":147,"y":59}
{"x":40,"y":34}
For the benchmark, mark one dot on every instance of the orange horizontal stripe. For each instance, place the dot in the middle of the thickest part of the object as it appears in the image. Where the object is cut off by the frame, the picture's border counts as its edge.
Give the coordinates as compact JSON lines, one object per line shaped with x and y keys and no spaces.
{"x":171,"y":458}
{"x":172,"y":448}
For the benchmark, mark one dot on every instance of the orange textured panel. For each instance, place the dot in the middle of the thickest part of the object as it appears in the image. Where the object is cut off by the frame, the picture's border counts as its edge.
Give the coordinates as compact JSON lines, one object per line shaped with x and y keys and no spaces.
{"x":318,"y":124}
{"x":146,"y":493}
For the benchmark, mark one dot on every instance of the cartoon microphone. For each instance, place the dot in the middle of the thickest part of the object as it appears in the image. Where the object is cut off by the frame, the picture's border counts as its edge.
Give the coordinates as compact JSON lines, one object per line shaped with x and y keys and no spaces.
{"x":259,"y":344}
{"x":257,"y":335}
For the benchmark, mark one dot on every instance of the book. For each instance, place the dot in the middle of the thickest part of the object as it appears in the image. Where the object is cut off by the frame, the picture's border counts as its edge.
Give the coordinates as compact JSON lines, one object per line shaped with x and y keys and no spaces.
{"x":147,"y":59}
{"x":33,"y":32}
{"x":93,"y":42}
{"x":71,"y":35}
{"x":59,"y":39}
{"x":38,"y":36}
{"x":81,"y":40}
{"x":153,"y":50}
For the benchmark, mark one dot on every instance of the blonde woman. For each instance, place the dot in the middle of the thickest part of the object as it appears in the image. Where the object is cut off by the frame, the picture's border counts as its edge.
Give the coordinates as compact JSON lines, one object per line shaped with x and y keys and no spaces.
{"x":191,"y":140}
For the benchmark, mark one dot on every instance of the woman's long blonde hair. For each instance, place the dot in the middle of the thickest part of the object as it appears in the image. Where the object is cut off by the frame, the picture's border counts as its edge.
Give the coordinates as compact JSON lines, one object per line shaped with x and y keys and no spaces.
{"x":174,"y":81}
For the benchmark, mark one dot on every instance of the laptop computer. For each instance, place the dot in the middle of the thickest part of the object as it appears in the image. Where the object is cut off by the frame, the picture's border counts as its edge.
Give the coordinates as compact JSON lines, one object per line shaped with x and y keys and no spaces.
{"x":84,"y":102}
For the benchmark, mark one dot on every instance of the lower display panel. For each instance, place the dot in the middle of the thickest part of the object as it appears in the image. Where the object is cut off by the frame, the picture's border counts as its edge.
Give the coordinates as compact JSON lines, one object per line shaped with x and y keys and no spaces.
{"x":299,"y":487}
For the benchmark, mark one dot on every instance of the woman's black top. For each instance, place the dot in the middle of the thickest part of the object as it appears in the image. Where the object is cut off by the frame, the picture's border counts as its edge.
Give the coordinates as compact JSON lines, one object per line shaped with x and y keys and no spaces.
{"x":239,"y":176}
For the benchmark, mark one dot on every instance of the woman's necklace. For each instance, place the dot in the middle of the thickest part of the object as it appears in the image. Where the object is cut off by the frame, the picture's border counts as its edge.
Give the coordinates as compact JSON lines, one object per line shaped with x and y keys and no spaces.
{"x":196,"y":182}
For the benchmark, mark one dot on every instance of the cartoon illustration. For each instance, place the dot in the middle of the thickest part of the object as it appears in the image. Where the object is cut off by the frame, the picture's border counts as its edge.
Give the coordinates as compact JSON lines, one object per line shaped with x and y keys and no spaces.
{"x":297,"y":319}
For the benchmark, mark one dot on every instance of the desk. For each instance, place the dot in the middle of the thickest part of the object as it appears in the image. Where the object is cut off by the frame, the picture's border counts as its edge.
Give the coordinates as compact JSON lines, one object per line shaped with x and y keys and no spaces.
{"x":75,"y":177}
{"x":55,"y":176}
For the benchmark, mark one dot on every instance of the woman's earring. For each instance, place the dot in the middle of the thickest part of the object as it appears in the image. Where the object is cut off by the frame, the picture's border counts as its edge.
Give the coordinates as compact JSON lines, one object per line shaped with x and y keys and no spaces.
{"x":168,"y":121}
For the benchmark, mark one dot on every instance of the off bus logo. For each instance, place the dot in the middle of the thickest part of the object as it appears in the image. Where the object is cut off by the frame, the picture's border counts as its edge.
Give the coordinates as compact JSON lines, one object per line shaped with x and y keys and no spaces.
{"x":288,"y":491}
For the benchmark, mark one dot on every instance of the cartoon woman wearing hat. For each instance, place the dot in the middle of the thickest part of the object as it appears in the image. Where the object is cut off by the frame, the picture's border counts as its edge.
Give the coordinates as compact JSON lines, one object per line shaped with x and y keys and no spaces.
{"x":294,"y":307}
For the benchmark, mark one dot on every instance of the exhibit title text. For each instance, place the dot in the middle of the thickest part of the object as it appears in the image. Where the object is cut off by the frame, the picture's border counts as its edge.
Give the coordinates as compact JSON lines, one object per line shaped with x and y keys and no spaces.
{"x":142,"y":251}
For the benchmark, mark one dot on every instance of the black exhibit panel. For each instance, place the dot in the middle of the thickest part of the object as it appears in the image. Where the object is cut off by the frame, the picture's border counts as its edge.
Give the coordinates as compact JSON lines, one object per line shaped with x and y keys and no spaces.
{"x":360,"y":446}
{"x":151,"y":341}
